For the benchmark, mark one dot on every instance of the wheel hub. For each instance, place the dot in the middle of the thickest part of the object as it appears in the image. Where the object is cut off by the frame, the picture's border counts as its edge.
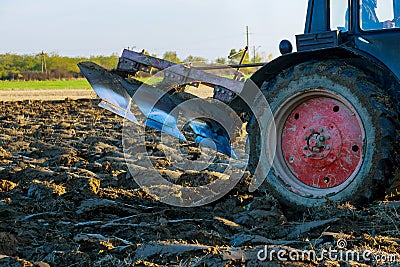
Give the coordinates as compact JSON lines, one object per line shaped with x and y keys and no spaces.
{"x":322,"y":141}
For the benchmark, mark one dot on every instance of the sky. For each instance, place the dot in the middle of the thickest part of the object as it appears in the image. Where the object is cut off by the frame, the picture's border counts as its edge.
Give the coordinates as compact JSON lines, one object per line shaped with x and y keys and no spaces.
{"x":205,"y":28}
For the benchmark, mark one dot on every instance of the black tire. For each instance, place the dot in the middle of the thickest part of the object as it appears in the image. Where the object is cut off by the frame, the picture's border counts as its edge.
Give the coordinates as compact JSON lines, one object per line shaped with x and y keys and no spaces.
{"x":345,"y":84}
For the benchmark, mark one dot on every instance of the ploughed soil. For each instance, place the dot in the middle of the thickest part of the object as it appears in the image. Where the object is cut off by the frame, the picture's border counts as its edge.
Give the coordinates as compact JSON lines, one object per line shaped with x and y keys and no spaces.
{"x":68,"y":199}
{"x":53,"y":94}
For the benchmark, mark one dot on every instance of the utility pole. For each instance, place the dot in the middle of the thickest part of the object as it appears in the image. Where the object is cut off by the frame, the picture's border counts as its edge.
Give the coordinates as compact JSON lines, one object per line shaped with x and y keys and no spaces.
{"x":43,"y":59}
{"x":254,"y":57}
{"x":255,"y":49}
{"x":247,"y":36}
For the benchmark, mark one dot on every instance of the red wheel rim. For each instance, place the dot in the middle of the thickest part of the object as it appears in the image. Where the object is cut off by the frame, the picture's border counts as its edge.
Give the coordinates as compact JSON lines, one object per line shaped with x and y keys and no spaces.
{"x":322,"y":142}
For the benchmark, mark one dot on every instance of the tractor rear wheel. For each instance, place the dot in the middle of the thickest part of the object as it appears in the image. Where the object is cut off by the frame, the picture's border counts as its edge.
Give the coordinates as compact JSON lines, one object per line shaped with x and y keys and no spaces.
{"x":335,"y":135}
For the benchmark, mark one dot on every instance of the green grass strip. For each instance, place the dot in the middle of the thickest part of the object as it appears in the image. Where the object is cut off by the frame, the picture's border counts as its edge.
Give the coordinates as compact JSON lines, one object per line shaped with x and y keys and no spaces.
{"x":44,"y":85}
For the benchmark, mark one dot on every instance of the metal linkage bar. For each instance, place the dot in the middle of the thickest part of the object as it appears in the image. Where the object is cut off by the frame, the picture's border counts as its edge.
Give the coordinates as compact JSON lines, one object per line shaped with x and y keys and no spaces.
{"x":131,"y":61}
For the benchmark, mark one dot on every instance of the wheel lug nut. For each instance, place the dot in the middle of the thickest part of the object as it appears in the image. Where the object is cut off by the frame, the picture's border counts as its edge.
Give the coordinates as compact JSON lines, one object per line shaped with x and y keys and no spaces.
{"x":321,"y":130}
{"x":305,"y":137}
{"x":328,"y":137}
{"x":328,"y":147}
{"x":321,"y":138}
{"x":311,"y":130}
{"x":291,"y":159}
{"x":305,"y":148}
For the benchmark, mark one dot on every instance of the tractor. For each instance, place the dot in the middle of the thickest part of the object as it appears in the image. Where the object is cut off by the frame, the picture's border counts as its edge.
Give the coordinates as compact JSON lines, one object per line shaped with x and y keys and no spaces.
{"x":334,"y":104}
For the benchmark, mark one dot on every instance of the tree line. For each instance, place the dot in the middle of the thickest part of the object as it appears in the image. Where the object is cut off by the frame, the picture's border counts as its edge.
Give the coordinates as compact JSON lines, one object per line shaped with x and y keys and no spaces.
{"x":43,"y":66}
{"x":47,"y":66}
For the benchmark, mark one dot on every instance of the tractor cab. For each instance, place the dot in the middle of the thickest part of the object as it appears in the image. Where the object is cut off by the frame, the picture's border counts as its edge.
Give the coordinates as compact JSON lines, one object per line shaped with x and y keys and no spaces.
{"x":367,"y":28}
{"x":352,"y":16}
{"x":367,"y":15}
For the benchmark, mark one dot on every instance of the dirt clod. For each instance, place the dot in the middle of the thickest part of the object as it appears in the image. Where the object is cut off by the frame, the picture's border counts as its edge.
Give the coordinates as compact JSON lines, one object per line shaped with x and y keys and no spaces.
{"x":6,"y":186}
{"x":8,"y":244}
